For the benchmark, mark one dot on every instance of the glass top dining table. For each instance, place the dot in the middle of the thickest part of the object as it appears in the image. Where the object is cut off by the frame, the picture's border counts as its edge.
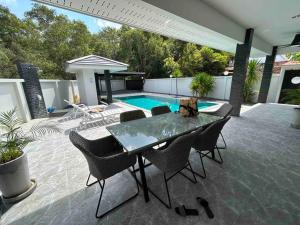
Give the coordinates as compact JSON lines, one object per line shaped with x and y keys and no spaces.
{"x":140,"y":134}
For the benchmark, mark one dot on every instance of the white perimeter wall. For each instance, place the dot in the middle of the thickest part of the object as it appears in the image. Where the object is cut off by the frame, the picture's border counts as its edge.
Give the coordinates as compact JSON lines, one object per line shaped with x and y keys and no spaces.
{"x":12,"y":96}
{"x":221,"y":90}
{"x":54,"y":92}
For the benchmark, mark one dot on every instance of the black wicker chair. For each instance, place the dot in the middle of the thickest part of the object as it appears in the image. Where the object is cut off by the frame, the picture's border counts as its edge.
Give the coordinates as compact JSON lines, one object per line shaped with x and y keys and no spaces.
{"x":132,"y":115}
{"x":224,"y":111}
{"x":105,"y":158}
{"x":172,"y":160}
{"x":206,"y":141}
{"x":160,"y":110}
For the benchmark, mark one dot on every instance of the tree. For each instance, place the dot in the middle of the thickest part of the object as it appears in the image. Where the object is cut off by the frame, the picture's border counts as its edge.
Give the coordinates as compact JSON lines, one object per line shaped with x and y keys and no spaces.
{"x":251,"y":78}
{"x":190,"y":60}
{"x":172,"y":67}
{"x":107,"y":43}
{"x":294,"y":56}
{"x":213,"y":62}
{"x":48,"y":40}
{"x":202,"y":83}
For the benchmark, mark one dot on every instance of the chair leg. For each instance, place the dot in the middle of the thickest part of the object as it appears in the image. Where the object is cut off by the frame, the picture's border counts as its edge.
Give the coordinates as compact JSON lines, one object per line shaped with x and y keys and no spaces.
{"x":203,"y":168}
{"x":167,"y":188}
{"x":214,"y":158}
{"x":193,"y":172}
{"x":225,"y":145}
{"x":189,"y":167}
{"x":122,"y":203}
{"x":87,"y":182}
{"x":221,"y":159}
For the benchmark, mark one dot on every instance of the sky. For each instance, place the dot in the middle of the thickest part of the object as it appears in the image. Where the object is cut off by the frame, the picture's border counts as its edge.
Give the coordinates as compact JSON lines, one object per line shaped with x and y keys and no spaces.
{"x":18,"y":7}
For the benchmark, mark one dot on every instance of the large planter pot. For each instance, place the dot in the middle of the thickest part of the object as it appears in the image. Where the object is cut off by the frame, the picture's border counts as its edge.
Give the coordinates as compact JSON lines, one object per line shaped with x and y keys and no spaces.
{"x":296,"y":118}
{"x":15,"y":183}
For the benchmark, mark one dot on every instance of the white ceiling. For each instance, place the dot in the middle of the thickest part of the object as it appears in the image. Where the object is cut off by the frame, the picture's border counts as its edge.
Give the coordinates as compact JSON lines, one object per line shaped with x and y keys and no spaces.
{"x":220,"y":25}
{"x":271,"y":19}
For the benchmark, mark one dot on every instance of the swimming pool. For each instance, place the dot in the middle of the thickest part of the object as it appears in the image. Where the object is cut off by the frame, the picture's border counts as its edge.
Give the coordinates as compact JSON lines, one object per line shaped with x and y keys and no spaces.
{"x":149,"y":101}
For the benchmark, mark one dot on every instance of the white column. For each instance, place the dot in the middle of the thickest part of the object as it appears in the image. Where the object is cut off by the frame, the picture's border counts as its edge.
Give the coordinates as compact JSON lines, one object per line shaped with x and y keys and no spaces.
{"x":87,"y":87}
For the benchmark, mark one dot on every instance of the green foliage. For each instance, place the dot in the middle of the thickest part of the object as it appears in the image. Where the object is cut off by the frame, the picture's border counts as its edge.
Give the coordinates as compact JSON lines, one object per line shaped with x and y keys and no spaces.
{"x":291,"y":96}
{"x":13,"y":139}
{"x":205,"y":59}
{"x":172,"y":67}
{"x":252,"y":77}
{"x":202,"y":83}
{"x":294,"y":56}
{"x":48,"y":40}
{"x":213,"y":62}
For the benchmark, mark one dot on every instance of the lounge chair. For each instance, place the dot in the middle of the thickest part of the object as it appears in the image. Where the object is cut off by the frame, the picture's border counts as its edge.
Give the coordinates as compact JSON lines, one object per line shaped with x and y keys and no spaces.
{"x":93,"y":114}
{"x":74,"y":113}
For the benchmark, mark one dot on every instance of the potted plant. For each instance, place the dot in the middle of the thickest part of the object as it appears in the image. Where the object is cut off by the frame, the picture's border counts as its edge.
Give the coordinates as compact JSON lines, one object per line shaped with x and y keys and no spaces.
{"x":15,"y":183}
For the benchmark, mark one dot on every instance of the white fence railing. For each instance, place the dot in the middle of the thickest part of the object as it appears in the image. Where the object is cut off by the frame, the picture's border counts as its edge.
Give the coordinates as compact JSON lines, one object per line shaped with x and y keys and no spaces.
{"x":220,"y":91}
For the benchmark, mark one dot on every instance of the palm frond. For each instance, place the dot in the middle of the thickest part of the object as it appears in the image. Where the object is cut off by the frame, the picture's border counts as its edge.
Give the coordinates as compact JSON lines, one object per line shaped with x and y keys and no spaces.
{"x":9,"y":120}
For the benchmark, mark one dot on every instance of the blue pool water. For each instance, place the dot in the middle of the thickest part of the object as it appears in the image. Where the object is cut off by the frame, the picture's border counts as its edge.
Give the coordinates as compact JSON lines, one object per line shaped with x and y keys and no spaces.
{"x":148,"y":102}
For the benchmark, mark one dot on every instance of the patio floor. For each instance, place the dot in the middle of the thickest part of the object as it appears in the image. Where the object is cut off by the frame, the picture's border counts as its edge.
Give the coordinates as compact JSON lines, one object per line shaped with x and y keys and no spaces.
{"x":259,"y":182}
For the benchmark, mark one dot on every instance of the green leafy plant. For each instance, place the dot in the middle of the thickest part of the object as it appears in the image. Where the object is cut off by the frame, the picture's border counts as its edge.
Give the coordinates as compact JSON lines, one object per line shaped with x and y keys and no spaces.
{"x":13,"y":139}
{"x":202,"y":83}
{"x":252,"y":77}
{"x":291,"y":96}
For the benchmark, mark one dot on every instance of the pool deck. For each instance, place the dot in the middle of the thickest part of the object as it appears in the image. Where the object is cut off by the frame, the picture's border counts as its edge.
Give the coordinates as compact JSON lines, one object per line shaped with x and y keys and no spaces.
{"x":258,"y":184}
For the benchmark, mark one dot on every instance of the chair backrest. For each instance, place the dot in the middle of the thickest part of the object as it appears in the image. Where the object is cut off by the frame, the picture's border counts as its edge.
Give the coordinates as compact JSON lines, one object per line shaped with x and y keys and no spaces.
{"x":176,"y":155}
{"x":224,"y":111}
{"x":207,"y":139}
{"x":160,"y":110}
{"x":85,"y":147}
{"x":132,"y":115}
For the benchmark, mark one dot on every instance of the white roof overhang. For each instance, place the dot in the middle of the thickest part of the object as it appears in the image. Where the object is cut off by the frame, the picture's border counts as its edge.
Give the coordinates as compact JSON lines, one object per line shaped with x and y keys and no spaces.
{"x":96,"y":63}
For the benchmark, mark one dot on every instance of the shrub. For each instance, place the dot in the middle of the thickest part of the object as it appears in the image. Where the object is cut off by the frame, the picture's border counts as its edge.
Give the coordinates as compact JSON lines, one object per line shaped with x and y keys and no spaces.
{"x":291,"y":96}
{"x":252,"y":77}
{"x":202,"y":83}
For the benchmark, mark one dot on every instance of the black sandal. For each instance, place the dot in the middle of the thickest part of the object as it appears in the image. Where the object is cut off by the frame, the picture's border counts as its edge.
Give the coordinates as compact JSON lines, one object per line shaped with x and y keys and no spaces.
{"x":182,"y":211}
{"x":205,"y":205}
